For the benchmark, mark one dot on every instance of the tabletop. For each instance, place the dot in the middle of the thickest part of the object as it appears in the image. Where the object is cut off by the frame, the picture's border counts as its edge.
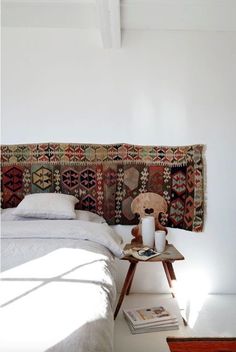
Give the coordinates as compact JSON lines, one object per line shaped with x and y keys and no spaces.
{"x":170,"y":254}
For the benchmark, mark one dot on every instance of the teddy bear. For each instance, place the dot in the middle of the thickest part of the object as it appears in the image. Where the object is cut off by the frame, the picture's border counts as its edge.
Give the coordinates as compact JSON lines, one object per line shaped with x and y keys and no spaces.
{"x":147,"y":204}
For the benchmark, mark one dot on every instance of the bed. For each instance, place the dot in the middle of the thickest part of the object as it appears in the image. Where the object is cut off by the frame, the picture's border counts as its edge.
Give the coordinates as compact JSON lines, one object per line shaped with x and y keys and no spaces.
{"x":57,"y":284}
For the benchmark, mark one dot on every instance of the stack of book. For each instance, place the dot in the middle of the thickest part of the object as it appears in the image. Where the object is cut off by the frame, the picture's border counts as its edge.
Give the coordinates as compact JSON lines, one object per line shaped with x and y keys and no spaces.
{"x":142,"y":320}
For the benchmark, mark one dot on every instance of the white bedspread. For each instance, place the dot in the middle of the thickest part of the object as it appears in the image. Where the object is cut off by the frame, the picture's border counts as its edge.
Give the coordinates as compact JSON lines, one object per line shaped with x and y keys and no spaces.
{"x":57,"y":286}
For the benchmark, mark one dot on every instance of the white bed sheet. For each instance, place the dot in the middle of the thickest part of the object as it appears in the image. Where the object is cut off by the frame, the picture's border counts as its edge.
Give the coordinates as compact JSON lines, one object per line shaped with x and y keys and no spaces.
{"x":57,"y":291}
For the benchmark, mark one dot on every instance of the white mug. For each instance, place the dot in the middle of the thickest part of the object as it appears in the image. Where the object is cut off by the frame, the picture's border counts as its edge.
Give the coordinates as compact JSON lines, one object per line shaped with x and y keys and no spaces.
{"x":160,"y":241}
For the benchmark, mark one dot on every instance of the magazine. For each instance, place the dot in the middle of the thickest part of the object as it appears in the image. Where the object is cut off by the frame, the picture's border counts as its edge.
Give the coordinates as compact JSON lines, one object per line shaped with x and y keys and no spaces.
{"x":145,"y":329}
{"x":168,"y":322}
{"x":139,"y":316}
{"x":143,"y":253}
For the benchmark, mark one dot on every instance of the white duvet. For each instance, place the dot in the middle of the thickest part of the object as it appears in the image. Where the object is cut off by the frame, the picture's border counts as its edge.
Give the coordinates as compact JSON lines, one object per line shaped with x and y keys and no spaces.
{"x":57,"y":290}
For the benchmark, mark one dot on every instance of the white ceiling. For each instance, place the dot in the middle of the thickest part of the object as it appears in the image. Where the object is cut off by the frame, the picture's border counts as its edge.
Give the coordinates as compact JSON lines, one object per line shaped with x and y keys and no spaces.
{"x":112,"y":16}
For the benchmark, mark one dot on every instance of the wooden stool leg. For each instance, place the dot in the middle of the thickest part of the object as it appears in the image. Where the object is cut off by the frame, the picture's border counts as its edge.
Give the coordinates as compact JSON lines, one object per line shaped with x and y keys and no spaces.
{"x":131,"y":280}
{"x":126,"y":286}
{"x":170,"y":275}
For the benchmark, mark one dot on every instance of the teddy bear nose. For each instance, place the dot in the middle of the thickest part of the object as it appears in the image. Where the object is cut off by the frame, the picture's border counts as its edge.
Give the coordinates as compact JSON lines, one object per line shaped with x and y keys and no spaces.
{"x":149,"y":210}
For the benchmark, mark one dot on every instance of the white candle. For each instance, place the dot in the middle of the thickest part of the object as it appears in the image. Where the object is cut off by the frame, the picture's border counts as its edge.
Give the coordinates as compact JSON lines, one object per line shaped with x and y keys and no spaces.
{"x":148,"y":231}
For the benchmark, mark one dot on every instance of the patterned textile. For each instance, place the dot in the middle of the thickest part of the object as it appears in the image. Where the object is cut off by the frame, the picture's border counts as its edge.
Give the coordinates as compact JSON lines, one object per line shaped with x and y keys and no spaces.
{"x":106,"y":178}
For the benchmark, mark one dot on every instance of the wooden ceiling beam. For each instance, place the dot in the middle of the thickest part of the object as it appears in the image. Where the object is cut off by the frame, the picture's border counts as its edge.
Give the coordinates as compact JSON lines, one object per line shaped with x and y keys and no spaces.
{"x":109,"y":22}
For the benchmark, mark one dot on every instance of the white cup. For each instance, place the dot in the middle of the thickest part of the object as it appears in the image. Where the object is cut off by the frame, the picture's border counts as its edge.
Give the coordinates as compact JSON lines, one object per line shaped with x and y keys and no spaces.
{"x":160,"y":241}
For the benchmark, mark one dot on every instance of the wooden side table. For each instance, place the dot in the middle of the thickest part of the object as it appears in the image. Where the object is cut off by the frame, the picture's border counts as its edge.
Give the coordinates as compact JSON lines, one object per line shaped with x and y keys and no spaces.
{"x":166,"y":258}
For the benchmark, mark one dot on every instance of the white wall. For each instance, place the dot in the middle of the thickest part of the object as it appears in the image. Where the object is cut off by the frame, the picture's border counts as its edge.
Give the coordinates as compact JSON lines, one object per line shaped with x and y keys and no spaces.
{"x":161,"y":88}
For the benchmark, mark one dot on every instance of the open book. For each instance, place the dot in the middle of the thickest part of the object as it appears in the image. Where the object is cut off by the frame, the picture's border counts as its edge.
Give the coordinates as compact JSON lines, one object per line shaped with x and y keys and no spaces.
{"x":144,"y":253}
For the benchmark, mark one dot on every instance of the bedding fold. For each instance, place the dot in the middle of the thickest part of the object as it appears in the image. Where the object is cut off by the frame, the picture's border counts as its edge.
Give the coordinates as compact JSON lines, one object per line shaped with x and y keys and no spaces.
{"x":64,"y":229}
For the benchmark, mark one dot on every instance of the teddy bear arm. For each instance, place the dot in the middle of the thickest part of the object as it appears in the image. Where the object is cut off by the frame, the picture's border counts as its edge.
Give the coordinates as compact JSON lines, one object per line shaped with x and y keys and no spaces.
{"x":136,"y":233}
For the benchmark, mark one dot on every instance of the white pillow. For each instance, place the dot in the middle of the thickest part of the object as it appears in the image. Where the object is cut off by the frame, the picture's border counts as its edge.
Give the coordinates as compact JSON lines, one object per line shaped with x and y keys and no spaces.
{"x":47,"y":206}
{"x":85,"y":215}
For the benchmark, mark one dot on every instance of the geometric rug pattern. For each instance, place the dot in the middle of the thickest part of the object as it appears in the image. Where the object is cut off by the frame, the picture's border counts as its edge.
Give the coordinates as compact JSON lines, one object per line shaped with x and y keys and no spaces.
{"x":106,"y":178}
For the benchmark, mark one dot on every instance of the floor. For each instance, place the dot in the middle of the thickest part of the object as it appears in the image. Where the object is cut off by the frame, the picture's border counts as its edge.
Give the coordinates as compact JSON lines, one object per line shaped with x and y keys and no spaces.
{"x":215,"y":315}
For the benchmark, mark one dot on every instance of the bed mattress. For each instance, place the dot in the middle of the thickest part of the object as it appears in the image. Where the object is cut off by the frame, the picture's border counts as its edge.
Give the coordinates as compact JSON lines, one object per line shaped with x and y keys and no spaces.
{"x":57,"y":286}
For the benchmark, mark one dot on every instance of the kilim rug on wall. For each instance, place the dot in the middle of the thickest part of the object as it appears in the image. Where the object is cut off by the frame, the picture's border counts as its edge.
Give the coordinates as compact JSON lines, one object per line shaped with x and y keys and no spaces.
{"x":106,"y":178}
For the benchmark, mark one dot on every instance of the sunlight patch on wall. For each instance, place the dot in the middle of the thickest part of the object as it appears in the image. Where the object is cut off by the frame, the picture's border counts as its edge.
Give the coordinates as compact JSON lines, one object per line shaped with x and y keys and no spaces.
{"x":191,"y":294}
